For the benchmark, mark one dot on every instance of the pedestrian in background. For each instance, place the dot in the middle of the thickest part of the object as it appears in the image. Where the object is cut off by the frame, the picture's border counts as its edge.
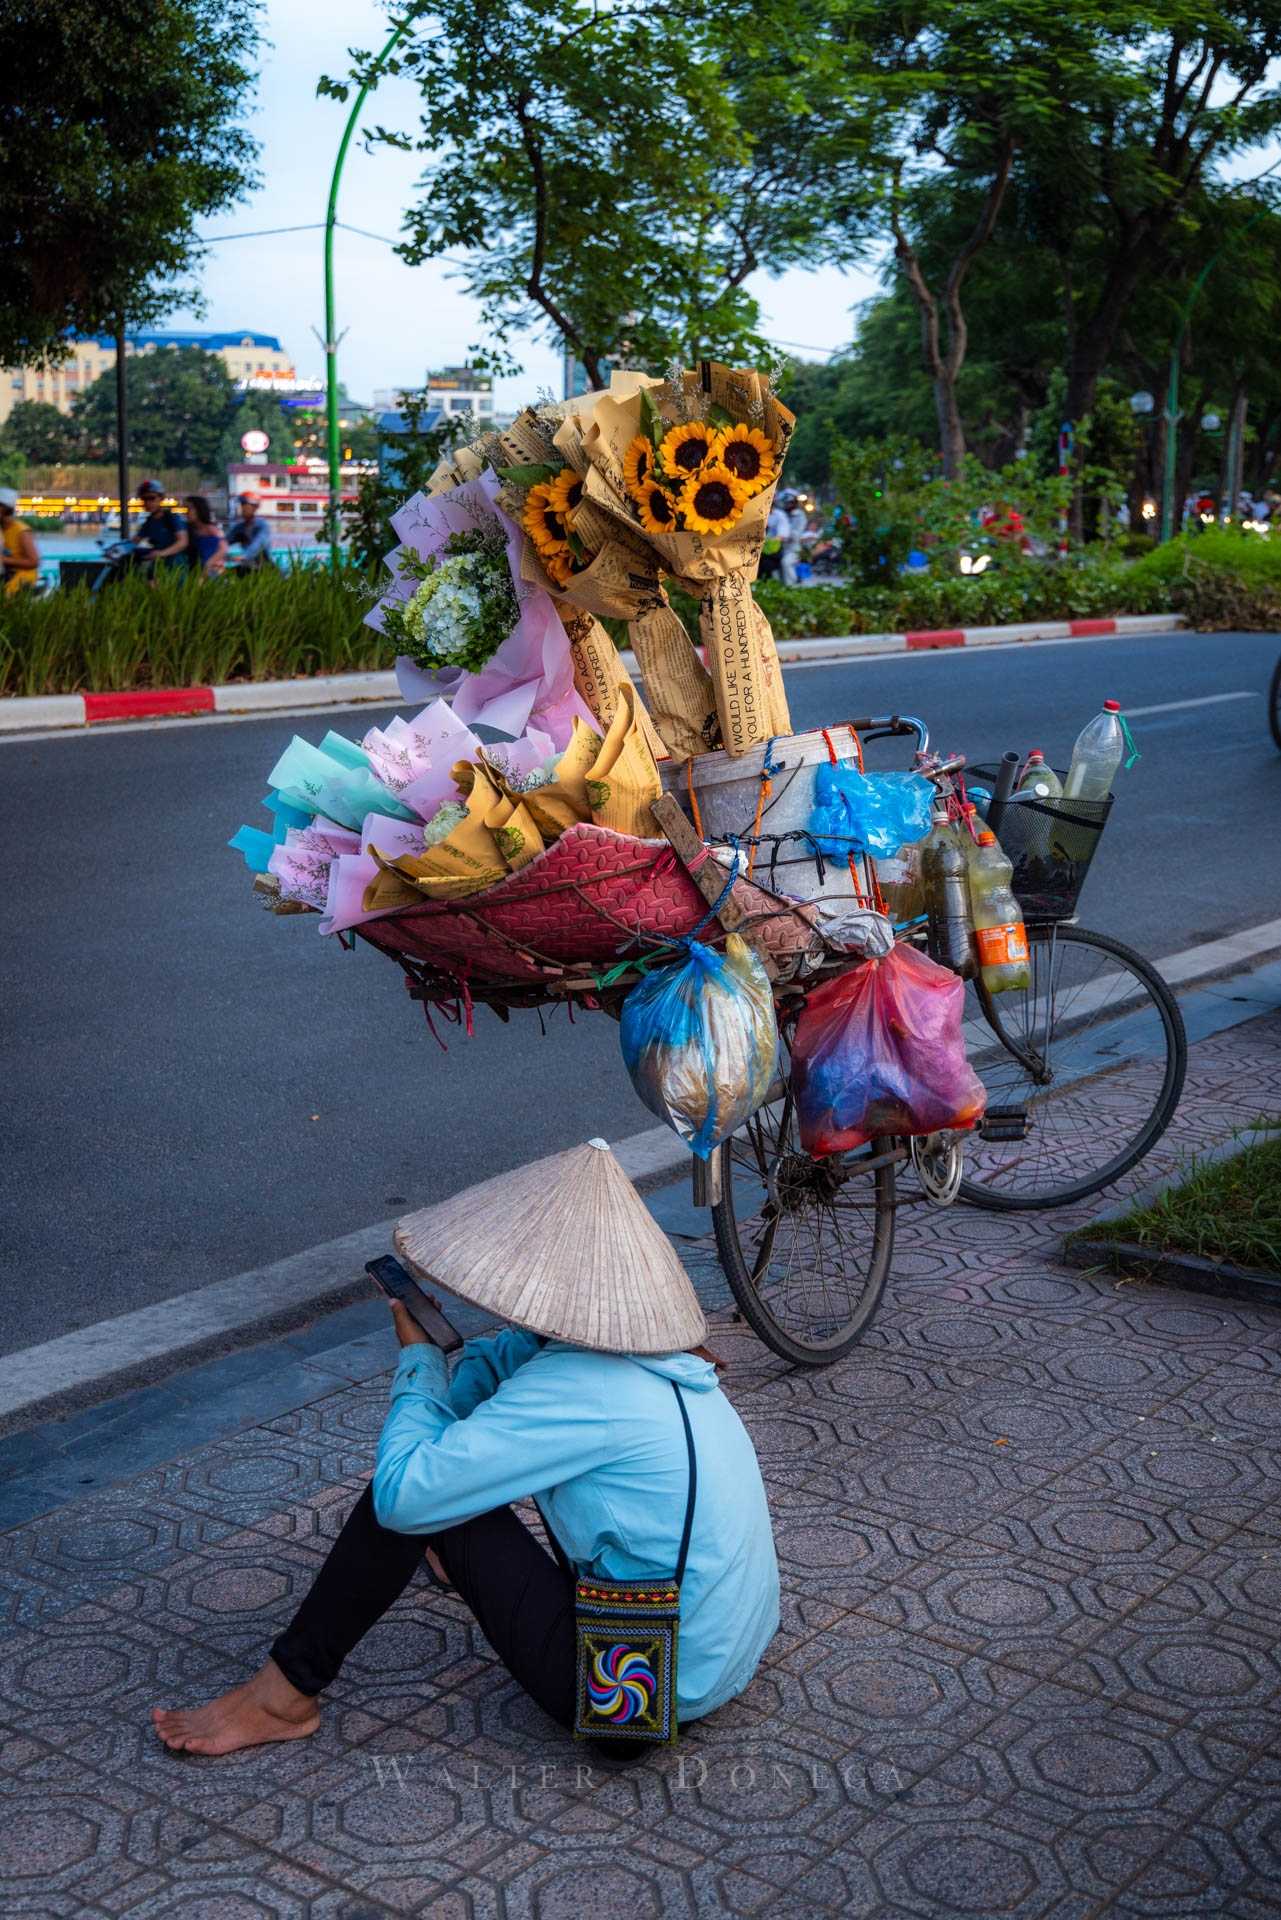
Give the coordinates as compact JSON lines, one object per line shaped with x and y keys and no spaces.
{"x":207,"y":544}
{"x":251,"y":534}
{"x":18,"y":547}
{"x":796,"y":528}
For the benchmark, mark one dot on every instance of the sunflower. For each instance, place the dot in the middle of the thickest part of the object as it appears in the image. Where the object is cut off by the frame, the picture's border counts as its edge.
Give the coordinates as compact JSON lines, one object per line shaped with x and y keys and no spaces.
{"x":564,"y":493}
{"x":542,"y":522}
{"x":686,"y":448}
{"x":558,"y":564}
{"x":712,"y":500}
{"x":748,"y":455}
{"x":638,"y":464}
{"x":655,"y":507}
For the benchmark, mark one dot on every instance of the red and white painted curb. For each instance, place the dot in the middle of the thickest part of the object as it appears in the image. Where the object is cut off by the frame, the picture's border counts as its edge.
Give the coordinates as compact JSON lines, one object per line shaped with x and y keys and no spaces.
{"x":57,"y":710}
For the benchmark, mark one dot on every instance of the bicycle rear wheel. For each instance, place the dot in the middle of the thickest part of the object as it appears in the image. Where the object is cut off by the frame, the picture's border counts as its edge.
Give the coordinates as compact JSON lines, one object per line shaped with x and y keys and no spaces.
{"x":1274,"y":703}
{"x":1083,"y":1071}
{"x":805,"y":1244}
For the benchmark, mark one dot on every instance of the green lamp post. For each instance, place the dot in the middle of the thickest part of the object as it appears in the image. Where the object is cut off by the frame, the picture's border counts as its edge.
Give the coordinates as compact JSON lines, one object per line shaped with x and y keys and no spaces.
{"x":333,"y":515}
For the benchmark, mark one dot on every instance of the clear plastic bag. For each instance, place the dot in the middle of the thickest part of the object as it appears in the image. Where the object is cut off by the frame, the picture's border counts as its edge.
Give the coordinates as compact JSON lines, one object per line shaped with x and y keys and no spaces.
{"x":879,"y":1050}
{"x":874,"y":813}
{"x":700,"y":1041}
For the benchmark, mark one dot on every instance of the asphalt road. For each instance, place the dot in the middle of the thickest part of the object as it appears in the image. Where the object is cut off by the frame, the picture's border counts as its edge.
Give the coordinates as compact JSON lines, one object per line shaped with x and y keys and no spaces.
{"x":195,"y":1087}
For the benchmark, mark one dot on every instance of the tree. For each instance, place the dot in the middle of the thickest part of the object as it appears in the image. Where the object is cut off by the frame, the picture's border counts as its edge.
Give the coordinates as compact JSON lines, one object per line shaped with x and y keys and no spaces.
{"x":255,"y":408}
{"x":41,"y":434}
{"x":181,"y":402}
{"x":615,"y":176}
{"x":119,"y":128}
{"x":409,"y":456}
{"x":1178,"y":91}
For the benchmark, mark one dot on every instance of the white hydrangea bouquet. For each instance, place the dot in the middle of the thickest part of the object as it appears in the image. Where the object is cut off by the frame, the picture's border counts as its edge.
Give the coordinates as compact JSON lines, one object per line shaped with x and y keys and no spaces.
{"x":467,"y":624}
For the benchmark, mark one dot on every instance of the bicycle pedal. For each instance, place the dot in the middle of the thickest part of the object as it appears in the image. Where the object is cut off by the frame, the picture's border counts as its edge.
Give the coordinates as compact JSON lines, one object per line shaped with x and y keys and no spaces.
{"x":1004,"y":1123}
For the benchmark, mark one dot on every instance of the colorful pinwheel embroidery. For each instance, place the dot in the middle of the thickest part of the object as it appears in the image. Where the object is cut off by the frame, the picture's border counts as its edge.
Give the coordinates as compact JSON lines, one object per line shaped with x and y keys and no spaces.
{"x":621,"y":1685}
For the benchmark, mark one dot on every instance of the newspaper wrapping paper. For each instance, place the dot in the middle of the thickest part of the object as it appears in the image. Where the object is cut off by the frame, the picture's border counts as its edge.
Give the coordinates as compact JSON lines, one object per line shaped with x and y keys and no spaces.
{"x":682,"y":699}
{"x":718,"y":569}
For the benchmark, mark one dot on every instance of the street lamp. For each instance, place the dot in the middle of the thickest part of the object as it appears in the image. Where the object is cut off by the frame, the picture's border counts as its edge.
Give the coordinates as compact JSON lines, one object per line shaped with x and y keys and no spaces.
{"x":333,"y":514}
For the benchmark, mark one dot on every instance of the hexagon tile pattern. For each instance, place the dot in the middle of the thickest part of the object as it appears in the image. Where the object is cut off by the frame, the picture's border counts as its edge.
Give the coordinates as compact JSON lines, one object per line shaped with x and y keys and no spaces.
{"x":1028,"y":1666}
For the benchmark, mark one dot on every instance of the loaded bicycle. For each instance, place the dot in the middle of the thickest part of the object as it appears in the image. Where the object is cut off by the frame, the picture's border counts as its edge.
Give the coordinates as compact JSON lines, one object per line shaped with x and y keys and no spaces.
{"x":1082,"y":1068}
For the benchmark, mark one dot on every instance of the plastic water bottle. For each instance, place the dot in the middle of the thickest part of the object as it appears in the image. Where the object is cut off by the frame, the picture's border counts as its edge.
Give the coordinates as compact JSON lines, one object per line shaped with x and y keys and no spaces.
{"x":999,"y":933}
{"x":945,"y":874}
{"x":1098,"y":753}
{"x":1038,"y":781}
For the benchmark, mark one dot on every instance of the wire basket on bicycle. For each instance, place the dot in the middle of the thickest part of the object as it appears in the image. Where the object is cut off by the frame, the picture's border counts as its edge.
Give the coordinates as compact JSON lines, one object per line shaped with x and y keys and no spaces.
{"x":1051,"y":844}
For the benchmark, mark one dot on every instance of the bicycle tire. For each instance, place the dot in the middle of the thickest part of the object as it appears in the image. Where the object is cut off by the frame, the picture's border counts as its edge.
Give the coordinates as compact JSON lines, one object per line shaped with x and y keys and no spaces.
{"x":1274,"y":704}
{"x":1009,"y":1182}
{"x":818,"y":1329}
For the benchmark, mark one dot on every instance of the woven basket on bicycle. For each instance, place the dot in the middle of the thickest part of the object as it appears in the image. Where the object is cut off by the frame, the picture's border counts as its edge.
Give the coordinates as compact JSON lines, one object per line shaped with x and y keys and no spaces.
{"x":1051,"y":844}
{"x":565,"y":926}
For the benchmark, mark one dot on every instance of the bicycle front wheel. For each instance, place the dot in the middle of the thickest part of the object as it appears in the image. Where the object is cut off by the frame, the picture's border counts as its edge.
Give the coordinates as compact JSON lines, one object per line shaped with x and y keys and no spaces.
{"x":1083,"y":1070}
{"x":1274,"y":704}
{"x":805,"y":1244}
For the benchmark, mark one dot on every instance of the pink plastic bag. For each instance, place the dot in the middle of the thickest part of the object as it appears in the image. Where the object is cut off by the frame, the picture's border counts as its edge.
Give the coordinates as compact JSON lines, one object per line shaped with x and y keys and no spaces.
{"x":879,"y":1050}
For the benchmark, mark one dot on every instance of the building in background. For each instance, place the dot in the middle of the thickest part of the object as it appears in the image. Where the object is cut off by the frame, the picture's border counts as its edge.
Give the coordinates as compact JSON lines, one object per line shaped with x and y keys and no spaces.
{"x":456,"y":390}
{"x":250,"y":358}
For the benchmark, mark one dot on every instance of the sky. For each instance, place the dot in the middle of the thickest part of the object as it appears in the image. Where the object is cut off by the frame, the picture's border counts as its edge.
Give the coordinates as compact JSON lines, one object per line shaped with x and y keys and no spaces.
{"x":399,"y":320}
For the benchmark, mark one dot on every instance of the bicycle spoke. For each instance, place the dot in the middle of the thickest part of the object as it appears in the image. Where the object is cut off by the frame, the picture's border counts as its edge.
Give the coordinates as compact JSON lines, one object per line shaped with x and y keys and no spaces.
{"x":1096,"y":1086}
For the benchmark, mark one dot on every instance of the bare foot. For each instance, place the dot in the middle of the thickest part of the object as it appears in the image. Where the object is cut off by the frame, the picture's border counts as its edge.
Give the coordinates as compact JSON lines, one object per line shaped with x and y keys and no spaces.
{"x":266,"y":1708}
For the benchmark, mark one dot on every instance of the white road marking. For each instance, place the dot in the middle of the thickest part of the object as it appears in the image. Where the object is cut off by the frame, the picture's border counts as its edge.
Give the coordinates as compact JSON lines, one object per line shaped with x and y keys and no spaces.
{"x":1206,"y":700}
{"x":973,"y":653}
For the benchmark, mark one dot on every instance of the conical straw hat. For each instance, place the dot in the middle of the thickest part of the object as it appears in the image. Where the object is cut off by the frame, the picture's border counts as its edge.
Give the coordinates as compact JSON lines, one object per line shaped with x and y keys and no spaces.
{"x":566,"y":1247}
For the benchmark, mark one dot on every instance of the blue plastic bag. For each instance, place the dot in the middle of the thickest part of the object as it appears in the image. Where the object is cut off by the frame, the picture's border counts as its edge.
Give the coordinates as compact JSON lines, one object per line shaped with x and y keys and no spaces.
{"x":874,"y":813}
{"x":700,"y":1041}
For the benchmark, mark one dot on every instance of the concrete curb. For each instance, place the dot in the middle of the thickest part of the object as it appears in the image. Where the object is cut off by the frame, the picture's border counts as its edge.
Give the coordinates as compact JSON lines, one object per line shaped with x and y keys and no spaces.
{"x":24,"y":715}
{"x":97,"y":1362}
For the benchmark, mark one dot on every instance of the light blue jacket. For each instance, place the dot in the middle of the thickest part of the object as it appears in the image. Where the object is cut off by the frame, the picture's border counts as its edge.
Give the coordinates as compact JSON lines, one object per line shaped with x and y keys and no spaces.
{"x":597,"y":1439}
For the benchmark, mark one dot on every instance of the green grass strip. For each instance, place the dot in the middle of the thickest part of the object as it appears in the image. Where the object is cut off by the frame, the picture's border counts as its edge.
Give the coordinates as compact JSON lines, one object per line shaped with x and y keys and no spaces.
{"x":1224,"y":1210}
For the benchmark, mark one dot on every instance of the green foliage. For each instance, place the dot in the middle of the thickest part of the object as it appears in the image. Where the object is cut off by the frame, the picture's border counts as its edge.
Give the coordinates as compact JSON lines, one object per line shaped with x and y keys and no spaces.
{"x":181,"y":401}
{"x":270,"y":625}
{"x":408,"y":458}
{"x":1222,"y":580}
{"x":185,"y":631}
{"x":254,"y":409}
{"x":614,"y":175}
{"x":120,"y":128}
{"x":40,"y":433}
{"x":1227,"y":1210}
{"x":883,"y":484}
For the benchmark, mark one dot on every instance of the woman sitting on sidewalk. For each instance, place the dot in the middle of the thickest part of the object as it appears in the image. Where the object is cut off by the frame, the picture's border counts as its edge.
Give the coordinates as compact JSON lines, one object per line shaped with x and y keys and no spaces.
{"x":603,"y":1407}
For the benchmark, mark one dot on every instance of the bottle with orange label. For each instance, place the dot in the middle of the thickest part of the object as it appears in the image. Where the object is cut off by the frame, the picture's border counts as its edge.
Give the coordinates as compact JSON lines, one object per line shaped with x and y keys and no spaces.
{"x":999,"y":933}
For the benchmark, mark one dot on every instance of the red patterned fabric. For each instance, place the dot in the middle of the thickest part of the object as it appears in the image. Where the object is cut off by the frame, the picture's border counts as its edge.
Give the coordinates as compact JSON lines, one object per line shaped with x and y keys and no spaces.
{"x":592,"y":898}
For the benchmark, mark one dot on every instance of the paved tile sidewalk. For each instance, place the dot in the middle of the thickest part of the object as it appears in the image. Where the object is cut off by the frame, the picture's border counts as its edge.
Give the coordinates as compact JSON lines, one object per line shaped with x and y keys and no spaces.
{"x":1031,"y":1557}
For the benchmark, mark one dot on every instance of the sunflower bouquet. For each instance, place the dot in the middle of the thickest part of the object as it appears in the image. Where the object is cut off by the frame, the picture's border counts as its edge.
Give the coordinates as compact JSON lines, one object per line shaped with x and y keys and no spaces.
{"x":692,"y":463}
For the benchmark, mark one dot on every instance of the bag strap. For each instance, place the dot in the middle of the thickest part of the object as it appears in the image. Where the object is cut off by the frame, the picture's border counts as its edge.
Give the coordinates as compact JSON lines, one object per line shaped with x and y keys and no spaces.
{"x":683,"y":1556}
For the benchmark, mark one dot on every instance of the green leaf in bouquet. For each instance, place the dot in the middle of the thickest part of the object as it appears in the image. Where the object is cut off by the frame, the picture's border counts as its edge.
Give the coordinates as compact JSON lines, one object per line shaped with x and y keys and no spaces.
{"x":576,"y":546}
{"x":719,"y":417}
{"x":652,"y":421}
{"x":533,"y":476}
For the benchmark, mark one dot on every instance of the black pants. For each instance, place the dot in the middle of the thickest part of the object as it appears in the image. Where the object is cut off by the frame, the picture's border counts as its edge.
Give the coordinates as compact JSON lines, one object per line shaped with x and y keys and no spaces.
{"x":522,"y":1598}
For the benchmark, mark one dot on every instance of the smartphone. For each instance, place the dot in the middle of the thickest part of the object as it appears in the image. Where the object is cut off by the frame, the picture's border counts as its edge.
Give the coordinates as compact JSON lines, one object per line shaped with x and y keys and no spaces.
{"x":398,"y":1283}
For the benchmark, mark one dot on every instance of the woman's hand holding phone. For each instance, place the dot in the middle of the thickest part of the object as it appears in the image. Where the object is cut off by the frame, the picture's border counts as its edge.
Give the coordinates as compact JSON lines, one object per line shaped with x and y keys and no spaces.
{"x":408,"y":1331}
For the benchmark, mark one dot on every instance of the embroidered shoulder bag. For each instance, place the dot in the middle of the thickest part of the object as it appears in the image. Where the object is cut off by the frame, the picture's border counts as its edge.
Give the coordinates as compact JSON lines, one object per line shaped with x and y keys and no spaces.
{"x":627,"y":1632}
